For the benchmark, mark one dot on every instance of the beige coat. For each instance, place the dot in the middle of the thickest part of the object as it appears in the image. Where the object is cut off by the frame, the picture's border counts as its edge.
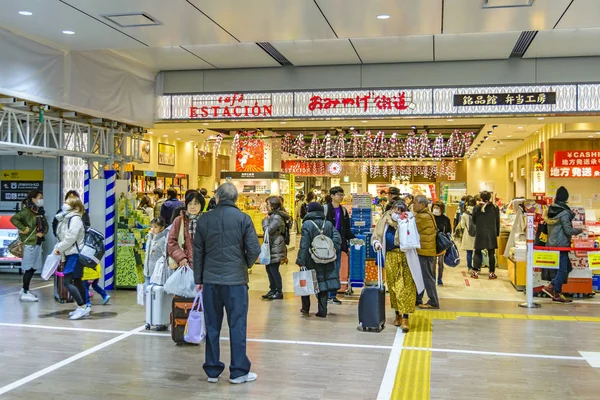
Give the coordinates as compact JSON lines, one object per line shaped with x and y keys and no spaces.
{"x":468,"y":242}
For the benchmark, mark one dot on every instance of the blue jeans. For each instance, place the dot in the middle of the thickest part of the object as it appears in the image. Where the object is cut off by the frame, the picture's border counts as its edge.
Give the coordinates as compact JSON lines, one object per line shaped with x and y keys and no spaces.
{"x":470,"y":259}
{"x":96,"y":287}
{"x":234,"y":299}
{"x":338,"y":265}
{"x":564,"y":268}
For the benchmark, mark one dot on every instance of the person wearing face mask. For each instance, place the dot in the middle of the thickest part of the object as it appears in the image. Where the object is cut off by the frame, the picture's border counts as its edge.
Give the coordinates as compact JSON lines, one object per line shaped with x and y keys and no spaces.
{"x":187,"y":220}
{"x":85,"y":217}
{"x":486,"y":217}
{"x":445,"y":226}
{"x":428,"y":233}
{"x":156,"y":246}
{"x":33,"y":226}
{"x":401,"y":280}
{"x":71,"y":234}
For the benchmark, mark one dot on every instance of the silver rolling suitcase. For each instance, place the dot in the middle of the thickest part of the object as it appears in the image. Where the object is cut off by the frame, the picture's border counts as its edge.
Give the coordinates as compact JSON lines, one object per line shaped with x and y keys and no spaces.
{"x":158,"y":307}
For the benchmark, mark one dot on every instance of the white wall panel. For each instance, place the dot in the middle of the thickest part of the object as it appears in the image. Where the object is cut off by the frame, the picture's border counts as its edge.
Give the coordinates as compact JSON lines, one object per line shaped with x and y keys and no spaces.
{"x":238,"y":55}
{"x":318,"y":52}
{"x":581,"y":14}
{"x":475,"y":46}
{"x":165,"y":58}
{"x":565,"y":43}
{"x":395,"y":49}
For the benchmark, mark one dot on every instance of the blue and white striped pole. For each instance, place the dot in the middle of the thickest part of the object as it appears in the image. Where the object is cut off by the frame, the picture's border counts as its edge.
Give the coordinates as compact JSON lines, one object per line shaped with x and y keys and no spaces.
{"x":86,"y":190}
{"x":109,"y":255}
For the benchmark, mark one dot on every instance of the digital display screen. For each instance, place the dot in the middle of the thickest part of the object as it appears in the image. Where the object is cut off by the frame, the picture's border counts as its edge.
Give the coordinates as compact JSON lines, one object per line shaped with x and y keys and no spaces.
{"x":8,"y":234}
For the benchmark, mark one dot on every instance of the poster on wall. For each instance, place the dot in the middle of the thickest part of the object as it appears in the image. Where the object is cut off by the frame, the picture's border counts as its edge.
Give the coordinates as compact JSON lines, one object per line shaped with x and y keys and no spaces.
{"x":166,"y":154}
{"x":16,"y":184}
{"x":250,"y":156}
{"x":145,"y":150}
{"x":8,"y":234}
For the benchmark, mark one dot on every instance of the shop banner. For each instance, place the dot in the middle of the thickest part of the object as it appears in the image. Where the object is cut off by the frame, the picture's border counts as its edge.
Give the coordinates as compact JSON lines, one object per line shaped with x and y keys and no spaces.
{"x":359,"y":103}
{"x":594,"y":259}
{"x":579,"y":158}
{"x":546,"y":259}
{"x":575,"y":172}
{"x":250,"y":156}
{"x":538,"y":183}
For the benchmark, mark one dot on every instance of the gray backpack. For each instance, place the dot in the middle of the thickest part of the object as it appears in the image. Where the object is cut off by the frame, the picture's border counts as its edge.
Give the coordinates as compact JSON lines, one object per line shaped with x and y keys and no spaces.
{"x":322,"y":249}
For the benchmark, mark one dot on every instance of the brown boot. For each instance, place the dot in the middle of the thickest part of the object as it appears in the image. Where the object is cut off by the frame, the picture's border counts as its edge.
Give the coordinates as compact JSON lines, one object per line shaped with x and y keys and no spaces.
{"x":404,"y":325}
{"x":397,"y":320}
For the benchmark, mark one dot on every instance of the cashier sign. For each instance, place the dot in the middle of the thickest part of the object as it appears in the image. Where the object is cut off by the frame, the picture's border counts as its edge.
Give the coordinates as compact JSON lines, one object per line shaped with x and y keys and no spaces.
{"x":594,"y":259}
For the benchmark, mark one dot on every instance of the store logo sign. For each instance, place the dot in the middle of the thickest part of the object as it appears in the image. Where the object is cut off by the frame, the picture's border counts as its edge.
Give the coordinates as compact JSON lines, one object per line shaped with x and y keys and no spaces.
{"x":232,"y":106}
{"x":504,"y":99}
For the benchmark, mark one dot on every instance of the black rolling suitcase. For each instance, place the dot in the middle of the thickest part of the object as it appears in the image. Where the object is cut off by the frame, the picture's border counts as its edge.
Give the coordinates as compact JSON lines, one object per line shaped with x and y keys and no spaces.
{"x":371,"y":306}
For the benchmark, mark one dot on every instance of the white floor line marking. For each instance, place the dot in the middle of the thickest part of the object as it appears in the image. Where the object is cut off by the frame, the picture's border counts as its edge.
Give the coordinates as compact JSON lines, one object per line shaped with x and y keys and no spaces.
{"x":35,"y":288}
{"x":357,"y":346}
{"x":389,"y":378}
{"x":494,"y":353}
{"x":63,"y":328}
{"x":67,"y":361}
{"x":593,"y":358}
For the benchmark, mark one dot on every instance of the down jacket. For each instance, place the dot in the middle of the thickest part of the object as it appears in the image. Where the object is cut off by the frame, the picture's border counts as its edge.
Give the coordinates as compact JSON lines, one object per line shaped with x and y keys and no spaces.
{"x":156,"y":246}
{"x":427,"y":232}
{"x":486,"y":218}
{"x":326,"y":275}
{"x":559,"y":218}
{"x":71,"y":233}
{"x":275,"y":225}
{"x":225,"y":246}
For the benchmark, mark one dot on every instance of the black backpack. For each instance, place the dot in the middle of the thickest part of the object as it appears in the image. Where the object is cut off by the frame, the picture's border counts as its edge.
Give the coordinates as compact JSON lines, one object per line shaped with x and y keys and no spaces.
{"x":286,"y":234}
{"x":93,"y":249}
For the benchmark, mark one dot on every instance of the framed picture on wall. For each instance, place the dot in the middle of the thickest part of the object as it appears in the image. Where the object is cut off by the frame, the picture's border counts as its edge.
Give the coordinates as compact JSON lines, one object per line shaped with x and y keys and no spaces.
{"x":145,"y":150}
{"x":166,"y":154}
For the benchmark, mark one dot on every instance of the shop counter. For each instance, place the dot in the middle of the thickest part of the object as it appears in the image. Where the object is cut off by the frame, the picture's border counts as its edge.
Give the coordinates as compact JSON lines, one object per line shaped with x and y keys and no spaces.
{"x":517,"y":273}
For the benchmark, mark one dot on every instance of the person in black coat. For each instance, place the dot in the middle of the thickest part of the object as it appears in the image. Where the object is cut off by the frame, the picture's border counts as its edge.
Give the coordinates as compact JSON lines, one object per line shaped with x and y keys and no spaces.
{"x":274,"y":225}
{"x":445,"y":226}
{"x":486,"y":217}
{"x":326,"y":273}
{"x":338,"y":216}
{"x":85,"y":217}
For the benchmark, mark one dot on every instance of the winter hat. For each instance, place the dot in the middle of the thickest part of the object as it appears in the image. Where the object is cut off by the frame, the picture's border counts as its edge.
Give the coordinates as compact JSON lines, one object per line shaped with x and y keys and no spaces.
{"x":314,"y":206}
{"x":562,"y":194}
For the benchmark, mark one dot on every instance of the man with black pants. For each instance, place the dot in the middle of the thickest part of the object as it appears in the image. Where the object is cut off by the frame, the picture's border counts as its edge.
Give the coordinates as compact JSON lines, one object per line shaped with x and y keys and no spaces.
{"x":225,"y":246}
{"x":338,"y":216}
{"x":427,"y":229}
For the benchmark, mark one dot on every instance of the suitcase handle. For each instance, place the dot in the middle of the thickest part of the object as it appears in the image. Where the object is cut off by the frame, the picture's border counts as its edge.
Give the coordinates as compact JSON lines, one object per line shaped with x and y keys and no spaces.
{"x":380,"y":261}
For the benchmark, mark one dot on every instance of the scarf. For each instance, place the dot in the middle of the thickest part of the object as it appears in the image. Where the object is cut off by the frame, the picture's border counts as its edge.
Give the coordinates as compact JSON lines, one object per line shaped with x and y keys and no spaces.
{"x":193,"y":222}
{"x":41,"y":224}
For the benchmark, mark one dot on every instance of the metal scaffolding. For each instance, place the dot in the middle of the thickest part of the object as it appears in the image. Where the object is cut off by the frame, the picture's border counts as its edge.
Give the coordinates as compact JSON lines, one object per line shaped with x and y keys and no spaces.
{"x":34,"y":134}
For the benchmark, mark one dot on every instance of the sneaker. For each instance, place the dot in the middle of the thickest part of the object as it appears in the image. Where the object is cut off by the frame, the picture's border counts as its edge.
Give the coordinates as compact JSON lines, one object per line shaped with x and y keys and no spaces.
{"x":88,"y":310}
{"x":304,"y":312}
{"x":251,"y":377}
{"x":440,"y":282}
{"x":549,"y":290}
{"x":73,"y":312}
{"x":337,"y":301}
{"x":266,"y":296}
{"x":560,"y":298}
{"x":79,"y":313}
{"x":493,"y":276}
{"x":276,"y":296}
{"x":105,"y":300}
{"x":28,"y":297}
{"x":213,"y":380}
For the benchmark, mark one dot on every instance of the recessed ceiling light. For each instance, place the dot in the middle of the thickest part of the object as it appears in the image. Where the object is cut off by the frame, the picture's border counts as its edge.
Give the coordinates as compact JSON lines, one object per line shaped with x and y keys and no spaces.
{"x":413,"y":127}
{"x":206,"y":124}
{"x":149,"y":133}
{"x":351,"y":128}
{"x":383,"y":16}
{"x":540,"y":118}
{"x":165,"y":135}
{"x":176,"y":131}
{"x":597,"y":133}
{"x":508,"y":135}
{"x":490,"y":132}
{"x":364,"y":122}
{"x":450,"y":120}
{"x":68,"y":32}
{"x":519,"y":127}
{"x":493,"y":148}
{"x":283,"y":122}
{"x":27,"y":13}
{"x":590,"y":136}
{"x":178,"y":138}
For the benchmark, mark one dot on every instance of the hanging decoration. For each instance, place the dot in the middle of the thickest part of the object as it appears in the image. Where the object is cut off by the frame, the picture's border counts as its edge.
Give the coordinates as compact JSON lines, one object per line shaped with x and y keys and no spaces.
{"x":410,"y":146}
{"x":300,"y":146}
{"x":393,"y":148}
{"x":356,"y":144}
{"x":327,"y":145}
{"x":234,"y":144}
{"x":340,"y":147}
{"x":424,"y":145}
{"x":381,"y":144}
{"x":313,"y":150}
{"x":438,"y":150}
{"x":217,"y":144}
{"x":369,"y":145}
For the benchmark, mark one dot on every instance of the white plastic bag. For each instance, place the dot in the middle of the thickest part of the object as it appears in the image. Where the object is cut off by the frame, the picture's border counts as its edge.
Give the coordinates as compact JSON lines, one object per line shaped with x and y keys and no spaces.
{"x":305,"y":282}
{"x":141,"y":294}
{"x":181,"y":283}
{"x":159,"y":275}
{"x":265,"y":250}
{"x":50,"y":266}
{"x":408,"y":234}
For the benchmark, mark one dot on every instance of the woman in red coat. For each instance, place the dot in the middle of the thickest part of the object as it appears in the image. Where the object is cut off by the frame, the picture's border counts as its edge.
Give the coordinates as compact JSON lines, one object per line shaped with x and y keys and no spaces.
{"x":185,"y":223}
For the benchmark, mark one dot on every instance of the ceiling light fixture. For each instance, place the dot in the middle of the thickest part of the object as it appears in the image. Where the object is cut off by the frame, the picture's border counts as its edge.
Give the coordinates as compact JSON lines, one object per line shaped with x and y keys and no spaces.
{"x":413,"y":127}
{"x":165,"y":135}
{"x":351,"y":128}
{"x":519,"y":127}
{"x":383,"y":16}
{"x":178,"y":138}
{"x":176,"y":131}
{"x":283,"y":122}
{"x":68,"y":32}
{"x":206,"y":124}
{"x":26,"y":13}
{"x":450,"y":120}
{"x":364,"y":122}
{"x":508,"y":135}
{"x":590,"y":136}
{"x":490,"y":132}
{"x":540,"y":118}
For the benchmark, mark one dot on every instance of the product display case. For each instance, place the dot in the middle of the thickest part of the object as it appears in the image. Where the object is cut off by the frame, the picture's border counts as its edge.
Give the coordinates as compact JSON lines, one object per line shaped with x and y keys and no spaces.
{"x":145,"y":182}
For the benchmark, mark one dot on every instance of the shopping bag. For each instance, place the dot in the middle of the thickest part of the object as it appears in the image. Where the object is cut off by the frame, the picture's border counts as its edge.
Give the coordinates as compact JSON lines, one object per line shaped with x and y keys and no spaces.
{"x":141,"y":296}
{"x":265,"y":250}
{"x":305,"y":282}
{"x":181,"y":283}
{"x":408,"y":234}
{"x":195,"y":329}
{"x":485,"y":258}
{"x":160,"y":274}
{"x":52,"y":262}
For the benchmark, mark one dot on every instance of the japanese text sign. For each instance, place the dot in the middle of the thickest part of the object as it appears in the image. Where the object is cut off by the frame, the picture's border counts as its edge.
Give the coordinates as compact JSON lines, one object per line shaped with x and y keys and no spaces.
{"x":504,"y":99}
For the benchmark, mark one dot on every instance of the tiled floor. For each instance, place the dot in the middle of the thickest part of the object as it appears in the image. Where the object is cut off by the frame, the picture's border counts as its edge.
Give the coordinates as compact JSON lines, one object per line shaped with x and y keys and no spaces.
{"x":479,"y":345}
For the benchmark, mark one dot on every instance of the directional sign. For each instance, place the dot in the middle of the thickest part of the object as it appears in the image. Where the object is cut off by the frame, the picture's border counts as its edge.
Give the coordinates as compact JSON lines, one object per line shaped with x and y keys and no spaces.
{"x":16,"y":184}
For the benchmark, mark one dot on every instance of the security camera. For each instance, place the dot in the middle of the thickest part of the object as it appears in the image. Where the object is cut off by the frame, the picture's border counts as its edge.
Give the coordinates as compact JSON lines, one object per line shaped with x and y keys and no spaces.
{"x":20,"y":153}
{"x":494,"y":126}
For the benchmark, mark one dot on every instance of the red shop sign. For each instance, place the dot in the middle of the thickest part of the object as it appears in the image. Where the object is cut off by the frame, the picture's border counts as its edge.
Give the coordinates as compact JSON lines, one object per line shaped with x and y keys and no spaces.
{"x":364,"y":102}
{"x":592,"y":171}
{"x":232,"y":106}
{"x":576,"y":158}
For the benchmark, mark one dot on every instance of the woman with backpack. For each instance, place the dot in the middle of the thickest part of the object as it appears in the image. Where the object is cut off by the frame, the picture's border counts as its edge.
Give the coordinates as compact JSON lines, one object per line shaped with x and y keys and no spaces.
{"x":86,"y":216}
{"x":275,"y":225}
{"x":468,"y":238}
{"x":402,"y":280}
{"x":313,"y":224}
{"x":33,"y":226}
{"x":71,"y":235}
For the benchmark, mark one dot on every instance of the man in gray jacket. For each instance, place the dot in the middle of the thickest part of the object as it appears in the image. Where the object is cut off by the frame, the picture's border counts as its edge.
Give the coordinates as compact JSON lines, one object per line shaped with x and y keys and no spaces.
{"x":225,"y":246}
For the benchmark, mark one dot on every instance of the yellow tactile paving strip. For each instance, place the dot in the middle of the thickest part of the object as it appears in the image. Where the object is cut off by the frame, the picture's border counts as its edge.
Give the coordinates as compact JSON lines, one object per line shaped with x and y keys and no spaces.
{"x":414,"y":371}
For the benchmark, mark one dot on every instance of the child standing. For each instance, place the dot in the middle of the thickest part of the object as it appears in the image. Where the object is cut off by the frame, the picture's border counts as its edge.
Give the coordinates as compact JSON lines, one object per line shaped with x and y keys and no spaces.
{"x":91,"y":276}
{"x":156,"y":246}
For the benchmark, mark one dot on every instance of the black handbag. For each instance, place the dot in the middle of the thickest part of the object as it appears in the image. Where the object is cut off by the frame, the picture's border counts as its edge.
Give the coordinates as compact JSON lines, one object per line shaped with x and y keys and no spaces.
{"x":541,"y":235}
{"x":443,"y":242}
